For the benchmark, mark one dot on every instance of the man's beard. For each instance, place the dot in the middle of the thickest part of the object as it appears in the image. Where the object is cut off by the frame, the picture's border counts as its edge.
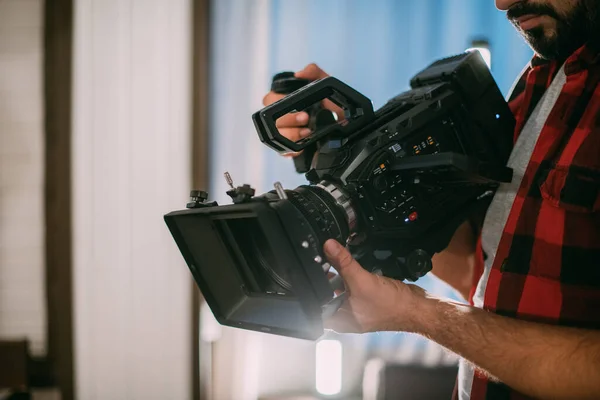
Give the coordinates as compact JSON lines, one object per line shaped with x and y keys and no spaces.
{"x":572,"y":30}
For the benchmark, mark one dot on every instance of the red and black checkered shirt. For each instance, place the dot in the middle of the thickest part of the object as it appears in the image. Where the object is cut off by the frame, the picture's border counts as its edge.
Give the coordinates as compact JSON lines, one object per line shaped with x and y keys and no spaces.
{"x":547,"y":266}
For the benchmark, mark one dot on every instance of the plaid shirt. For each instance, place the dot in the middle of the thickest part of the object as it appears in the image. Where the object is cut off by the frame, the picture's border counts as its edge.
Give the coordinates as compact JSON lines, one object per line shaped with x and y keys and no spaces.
{"x":547,"y":266}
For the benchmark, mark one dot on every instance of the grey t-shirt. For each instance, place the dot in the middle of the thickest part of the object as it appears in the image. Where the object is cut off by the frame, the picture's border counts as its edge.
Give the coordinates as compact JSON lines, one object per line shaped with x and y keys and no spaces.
{"x":500,"y":207}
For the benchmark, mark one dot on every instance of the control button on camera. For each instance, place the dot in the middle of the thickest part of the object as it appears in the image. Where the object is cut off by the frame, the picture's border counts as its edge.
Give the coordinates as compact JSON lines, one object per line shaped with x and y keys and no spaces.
{"x":380,"y":183}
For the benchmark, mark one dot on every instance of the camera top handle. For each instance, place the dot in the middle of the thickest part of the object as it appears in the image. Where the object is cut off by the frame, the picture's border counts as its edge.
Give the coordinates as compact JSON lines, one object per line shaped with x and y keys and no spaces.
{"x":358,"y":111}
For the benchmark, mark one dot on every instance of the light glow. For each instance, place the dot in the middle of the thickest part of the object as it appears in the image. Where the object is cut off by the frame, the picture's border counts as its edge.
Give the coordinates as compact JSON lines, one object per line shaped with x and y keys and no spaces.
{"x":485,"y":53}
{"x":329,"y":367}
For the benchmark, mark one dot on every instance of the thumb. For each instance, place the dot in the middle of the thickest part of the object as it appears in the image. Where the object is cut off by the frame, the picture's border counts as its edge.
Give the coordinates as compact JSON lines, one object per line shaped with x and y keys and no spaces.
{"x":311,"y":72}
{"x":341,"y":259}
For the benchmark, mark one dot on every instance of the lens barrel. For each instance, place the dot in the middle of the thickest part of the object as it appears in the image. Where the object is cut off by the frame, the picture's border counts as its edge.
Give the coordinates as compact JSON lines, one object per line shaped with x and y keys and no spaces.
{"x":328,"y":211}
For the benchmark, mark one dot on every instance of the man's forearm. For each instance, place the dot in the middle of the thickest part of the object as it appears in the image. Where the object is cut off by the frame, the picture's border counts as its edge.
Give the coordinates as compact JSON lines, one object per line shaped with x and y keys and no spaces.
{"x":539,"y":360}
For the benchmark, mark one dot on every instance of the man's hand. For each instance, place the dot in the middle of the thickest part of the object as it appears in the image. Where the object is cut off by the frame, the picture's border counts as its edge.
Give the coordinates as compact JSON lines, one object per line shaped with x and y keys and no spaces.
{"x":294,"y":126}
{"x":374,"y":303}
{"x":539,"y":360}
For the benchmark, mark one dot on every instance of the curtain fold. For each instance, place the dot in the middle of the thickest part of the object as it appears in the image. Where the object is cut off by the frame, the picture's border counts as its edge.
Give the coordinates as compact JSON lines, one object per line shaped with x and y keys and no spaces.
{"x":131,"y":141}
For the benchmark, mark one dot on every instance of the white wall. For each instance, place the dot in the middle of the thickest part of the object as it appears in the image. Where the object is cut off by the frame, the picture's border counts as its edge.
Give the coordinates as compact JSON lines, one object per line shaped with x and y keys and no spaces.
{"x":131,"y":165}
{"x":22,"y":290}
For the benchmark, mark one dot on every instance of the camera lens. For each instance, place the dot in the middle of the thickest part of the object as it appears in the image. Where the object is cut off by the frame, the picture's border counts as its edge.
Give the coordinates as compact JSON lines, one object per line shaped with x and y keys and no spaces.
{"x":270,"y":276}
{"x":329,"y":217}
{"x":325,"y":209}
{"x":278,"y":276}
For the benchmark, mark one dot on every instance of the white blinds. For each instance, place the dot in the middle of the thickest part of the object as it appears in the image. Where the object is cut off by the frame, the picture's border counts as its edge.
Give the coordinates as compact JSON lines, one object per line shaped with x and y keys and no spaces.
{"x":131,"y":144}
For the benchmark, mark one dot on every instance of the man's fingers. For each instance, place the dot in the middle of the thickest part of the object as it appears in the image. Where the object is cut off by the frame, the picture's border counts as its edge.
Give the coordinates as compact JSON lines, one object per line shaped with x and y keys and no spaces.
{"x":311,"y":72}
{"x":292,"y":155}
{"x":271,"y":98}
{"x":330,"y":105}
{"x":292,"y":120}
{"x":341,"y":322}
{"x":342,"y":261}
{"x":295,"y":134}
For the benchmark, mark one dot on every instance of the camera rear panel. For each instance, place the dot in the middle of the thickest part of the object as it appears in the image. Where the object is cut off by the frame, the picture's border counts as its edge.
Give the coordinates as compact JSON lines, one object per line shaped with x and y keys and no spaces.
{"x":401,"y":196}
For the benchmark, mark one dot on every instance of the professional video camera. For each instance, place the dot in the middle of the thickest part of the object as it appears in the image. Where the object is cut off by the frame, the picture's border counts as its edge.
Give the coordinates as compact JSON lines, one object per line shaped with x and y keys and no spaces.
{"x":393,"y":185}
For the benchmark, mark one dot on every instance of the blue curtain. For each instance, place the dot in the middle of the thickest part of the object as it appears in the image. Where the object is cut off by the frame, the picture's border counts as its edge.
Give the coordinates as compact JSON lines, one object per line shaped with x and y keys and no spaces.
{"x":376,"y":46}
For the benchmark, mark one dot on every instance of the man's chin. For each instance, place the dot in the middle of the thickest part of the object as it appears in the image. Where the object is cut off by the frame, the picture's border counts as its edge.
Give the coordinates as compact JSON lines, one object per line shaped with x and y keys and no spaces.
{"x":544,"y":42}
{"x":555,"y":39}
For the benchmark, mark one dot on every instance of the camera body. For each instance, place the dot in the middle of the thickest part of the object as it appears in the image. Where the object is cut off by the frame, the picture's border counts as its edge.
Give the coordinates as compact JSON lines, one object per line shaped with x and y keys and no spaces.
{"x":393,"y":185}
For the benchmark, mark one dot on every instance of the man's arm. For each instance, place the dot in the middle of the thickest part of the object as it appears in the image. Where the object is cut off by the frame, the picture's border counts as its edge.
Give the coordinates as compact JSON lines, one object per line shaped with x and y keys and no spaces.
{"x":539,"y":360}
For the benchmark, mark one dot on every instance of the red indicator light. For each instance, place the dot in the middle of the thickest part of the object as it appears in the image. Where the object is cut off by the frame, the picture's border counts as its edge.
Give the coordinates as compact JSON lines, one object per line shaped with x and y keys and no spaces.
{"x":413,"y":216}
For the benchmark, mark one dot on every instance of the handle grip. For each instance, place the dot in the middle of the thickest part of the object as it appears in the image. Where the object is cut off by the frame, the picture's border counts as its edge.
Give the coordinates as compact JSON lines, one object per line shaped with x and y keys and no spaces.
{"x":357,"y":108}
